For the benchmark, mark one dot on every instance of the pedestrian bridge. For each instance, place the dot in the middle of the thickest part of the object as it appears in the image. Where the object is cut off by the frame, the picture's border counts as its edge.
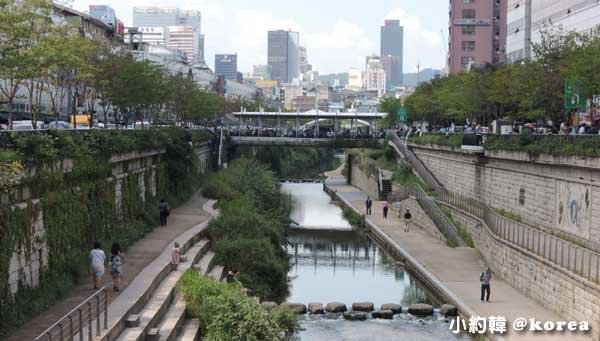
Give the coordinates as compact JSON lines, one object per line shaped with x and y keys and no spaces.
{"x":311,"y":128}
{"x":266,"y":141}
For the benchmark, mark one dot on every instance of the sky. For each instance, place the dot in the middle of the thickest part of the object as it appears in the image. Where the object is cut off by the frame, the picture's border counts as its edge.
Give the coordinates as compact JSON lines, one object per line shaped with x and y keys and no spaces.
{"x":338,"y":34}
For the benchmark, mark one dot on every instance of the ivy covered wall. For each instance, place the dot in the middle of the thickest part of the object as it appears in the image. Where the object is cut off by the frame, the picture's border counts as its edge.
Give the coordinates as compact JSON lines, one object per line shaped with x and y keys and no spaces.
{"x":75,"y":188}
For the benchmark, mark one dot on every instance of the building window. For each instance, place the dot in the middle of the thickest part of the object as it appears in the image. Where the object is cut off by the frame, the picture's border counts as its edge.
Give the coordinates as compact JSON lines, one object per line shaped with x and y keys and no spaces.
{"x":468,"y":13}
{"x":468,"y":30}
{"x":466,"y":61}
{"x":468,"y":1}
{"x":468,"y":46}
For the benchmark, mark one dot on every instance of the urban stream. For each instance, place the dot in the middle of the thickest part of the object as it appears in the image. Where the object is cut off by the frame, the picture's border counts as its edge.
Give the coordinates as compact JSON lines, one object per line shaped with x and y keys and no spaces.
{"x":333,"y":263}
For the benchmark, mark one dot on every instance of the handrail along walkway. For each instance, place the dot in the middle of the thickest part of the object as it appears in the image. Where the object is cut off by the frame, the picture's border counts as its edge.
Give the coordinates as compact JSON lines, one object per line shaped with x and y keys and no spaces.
{"x":88,"y":311}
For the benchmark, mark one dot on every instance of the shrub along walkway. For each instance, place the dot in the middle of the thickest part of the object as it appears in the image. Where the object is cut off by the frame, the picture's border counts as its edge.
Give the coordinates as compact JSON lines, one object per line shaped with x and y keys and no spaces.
{"x":457,"y":269}
{"x":138,"y":256}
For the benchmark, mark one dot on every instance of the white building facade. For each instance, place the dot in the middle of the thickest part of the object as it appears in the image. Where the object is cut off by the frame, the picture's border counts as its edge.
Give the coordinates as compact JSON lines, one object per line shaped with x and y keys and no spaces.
{"x":528,"y":18}
{"x":375,"y":77}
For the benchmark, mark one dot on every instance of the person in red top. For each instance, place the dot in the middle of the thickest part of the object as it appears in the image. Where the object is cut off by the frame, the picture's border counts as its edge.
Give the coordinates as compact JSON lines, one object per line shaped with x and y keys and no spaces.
{"x":175,"y":256}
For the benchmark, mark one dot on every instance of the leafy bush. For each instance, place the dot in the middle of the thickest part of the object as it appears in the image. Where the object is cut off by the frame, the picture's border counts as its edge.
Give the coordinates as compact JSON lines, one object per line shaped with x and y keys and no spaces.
{"x":556,"y":145}
{"x":225,"y":313}
{"x":450,"y":140}
{"x":249,"y":234}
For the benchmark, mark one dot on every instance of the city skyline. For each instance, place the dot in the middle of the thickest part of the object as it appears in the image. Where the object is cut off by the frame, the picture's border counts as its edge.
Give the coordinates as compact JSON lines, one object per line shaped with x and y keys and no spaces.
{"x":333,"y":46}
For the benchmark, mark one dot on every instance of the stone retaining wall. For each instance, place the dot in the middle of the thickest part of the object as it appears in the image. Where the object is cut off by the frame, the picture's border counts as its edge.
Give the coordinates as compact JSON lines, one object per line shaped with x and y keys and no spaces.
{"x":366,"y":183}
{"x":419,"y":217}
{"x":27,"y":270}
{"x":570,"y":296}
{"x":556,"y":196}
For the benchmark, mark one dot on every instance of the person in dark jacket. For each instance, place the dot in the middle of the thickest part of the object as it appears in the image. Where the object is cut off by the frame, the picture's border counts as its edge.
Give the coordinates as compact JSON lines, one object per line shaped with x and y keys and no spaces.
{"x":164,"y":210}
{"x":485,"y":278}
{"x":369,"y":204}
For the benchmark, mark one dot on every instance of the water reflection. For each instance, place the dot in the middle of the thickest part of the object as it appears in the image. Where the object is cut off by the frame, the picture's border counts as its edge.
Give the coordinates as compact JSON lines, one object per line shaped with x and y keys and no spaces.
{"x":346,"y":267}
{"x":312,"y":208}
{"x":330,"y":262}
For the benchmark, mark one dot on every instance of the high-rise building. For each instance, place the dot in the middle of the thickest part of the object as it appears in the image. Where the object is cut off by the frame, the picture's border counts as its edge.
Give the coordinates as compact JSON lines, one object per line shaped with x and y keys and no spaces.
{"x":303,"y":64}
{"x":283,"y":53}
{"x":105,"y":13}
{"x":262,"y":72}
{"x":527,"y":19}
{"x":355,"y":79}
{"x":185,"y":38}
{"x":477,"y":34}
{"x":375,"y":77}
{"x":162,"y":16}
{"x":182,"y":28}
{"x":392,"y":51}
{"x":226,"y":65}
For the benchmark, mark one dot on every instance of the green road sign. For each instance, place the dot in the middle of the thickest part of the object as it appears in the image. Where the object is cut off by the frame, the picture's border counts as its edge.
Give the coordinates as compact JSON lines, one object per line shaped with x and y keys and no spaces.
{"x":574,"y":95}
{"x":402,"y":114}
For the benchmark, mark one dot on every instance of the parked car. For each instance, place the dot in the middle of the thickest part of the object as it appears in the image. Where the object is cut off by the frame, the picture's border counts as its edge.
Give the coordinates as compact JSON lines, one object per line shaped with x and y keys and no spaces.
{"x":59,"y":125}
{"x":27,"y":125}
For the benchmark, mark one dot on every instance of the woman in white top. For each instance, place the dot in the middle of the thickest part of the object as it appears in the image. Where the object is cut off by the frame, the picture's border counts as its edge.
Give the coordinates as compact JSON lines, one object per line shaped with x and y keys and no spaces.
{"x":97,"y":259}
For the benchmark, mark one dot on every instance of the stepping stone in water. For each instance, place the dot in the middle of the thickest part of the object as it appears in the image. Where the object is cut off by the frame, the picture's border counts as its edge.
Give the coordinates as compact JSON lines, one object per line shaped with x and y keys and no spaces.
{"x":355,"y":316}
{"x":362,"y":306}
{"x":336,"y":307}
{"x":395,"y":308}
{"x":383,"y":314}
{"x":315,"y":308}
{"x":420,"y":309}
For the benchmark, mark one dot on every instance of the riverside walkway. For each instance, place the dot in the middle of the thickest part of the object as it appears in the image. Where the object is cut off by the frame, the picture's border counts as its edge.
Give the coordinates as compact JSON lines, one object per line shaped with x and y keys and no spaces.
{"x":138,"y":256}
{"x":457,"y":269}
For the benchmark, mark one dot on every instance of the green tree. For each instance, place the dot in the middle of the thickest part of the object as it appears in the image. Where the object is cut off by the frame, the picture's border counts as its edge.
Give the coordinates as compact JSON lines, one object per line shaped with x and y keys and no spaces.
{"x":390,"y":106}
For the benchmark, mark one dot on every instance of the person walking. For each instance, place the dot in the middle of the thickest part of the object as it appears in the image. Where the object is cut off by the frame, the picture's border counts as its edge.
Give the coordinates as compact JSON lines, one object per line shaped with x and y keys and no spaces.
{"x":175,"y":256}
{"x":164,"y":210}
{"x":97,"y":259}
{"x":369,"y":204}
{"x":117,"y":261}
{"x":385,"y":209}
{"x":485,"y":278}
{"x":407,"y":220}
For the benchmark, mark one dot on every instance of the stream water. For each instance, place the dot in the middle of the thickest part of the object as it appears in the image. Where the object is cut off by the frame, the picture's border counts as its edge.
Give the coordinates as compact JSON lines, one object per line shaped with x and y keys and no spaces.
{"x":331,"y":262}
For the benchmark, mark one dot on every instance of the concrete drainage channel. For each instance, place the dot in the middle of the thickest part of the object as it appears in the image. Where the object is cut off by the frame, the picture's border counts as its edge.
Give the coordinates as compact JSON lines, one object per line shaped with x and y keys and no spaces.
{"x":361,"y":311}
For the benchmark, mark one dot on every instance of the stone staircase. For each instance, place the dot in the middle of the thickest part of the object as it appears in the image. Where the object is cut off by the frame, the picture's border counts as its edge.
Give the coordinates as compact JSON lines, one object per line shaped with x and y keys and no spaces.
{"x":163,"y":318}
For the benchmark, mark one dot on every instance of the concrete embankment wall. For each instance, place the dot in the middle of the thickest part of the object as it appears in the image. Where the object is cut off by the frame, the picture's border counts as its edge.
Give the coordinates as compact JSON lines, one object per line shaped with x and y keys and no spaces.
{"x":27,"y":264}
{"x":572,"y":297}
{"x":559,"y":195}
{"x":440,"y":291}
{"x":366,"y":183}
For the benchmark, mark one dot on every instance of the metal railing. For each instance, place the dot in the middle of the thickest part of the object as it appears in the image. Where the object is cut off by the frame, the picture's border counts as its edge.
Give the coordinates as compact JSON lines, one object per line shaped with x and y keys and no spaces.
{"x":87,"y":315}
{"x":432,"y":209}
{"x":554,"y":249}
{"x":423,"y":172}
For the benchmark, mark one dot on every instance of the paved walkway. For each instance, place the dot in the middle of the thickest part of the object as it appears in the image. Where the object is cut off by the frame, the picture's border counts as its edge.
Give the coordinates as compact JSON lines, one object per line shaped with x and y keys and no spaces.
{"x":458,"y":269}
{"x":138,"y":256}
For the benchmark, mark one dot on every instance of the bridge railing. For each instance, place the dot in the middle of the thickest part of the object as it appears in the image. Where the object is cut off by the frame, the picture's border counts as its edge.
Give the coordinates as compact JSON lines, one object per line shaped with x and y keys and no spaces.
{"x":81,"y":320}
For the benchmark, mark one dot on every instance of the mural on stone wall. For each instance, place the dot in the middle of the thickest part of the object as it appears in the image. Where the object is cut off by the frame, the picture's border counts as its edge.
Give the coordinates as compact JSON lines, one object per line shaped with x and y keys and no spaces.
{"x":574,"y":208}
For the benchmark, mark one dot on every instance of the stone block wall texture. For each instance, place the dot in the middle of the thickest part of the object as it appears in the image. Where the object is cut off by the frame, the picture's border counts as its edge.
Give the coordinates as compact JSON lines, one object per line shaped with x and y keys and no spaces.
{"x":27,"y":270}
{"x":420,"y":219}
{"x":366,"y":183}
{"x":571,"y":297}
{"x":559,"y":197}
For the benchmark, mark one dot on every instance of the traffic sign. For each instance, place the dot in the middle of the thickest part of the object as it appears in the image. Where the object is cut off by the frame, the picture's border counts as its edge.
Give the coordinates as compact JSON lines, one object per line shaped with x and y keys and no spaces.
{"x":402,"y":114}
{"x":574,"y":95}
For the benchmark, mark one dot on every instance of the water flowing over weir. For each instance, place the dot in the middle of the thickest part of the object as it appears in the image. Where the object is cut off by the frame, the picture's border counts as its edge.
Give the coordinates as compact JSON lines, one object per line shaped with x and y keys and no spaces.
{"x":331,"y":262}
